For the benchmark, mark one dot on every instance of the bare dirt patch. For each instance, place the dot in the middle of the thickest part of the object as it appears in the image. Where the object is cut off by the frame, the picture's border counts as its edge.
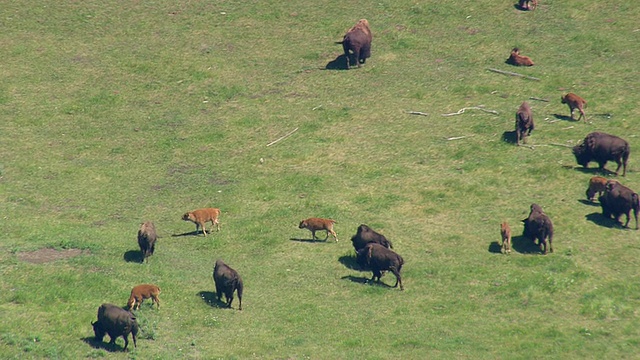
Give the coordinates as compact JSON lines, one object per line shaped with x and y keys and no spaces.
{"x":47,"y":255}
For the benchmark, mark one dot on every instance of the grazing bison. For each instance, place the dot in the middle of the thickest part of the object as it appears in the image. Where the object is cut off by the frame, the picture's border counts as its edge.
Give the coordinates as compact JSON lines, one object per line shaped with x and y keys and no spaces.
{"x":519,"y":60}
{"x":528,"y":4}
{"x":505,"y":232}
{"x":147,"y":239}
{"x":619,"y":199}
{"x":601,"y":147}
{"x":115,"y":321}
{"x":140,"y":293}
{"x":358,"y":40}
{"x":597,"y":185}
{"x":378,"y":258}
{"x":365,"y":235}
{"x":575,"y":102}
{"x":524,"y":122}
{"x":227,"y":281}
{"x":316,"y":224}
{"x":539,"y":226}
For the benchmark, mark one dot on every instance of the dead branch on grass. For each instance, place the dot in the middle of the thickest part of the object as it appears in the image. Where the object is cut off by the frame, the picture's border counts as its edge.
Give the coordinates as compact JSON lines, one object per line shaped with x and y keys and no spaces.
{"x":283,"y":137}
{"x":416,"y":113}
{"x":513,"y":74}
{"x":461,"y":111}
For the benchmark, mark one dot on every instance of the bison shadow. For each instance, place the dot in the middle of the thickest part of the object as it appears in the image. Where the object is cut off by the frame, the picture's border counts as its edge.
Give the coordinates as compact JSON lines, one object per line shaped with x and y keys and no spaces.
{"x":340,"y":63}
{"x":563,"y":117}
{"x":599,"y":219}
{"x":190,"y":233}
{"x":587,"y":202}
{"x":524,"y":245}
{"x":495,"y":247}
{"x":349,"y":261}
{"x":133,"y":256}
{"x":211,"y":299}
{"x":365,"y":280}
{"x":594,"y":170}
{"x":308,"y":240}
{"x":509,"y":136}
{"x":91,"y":341}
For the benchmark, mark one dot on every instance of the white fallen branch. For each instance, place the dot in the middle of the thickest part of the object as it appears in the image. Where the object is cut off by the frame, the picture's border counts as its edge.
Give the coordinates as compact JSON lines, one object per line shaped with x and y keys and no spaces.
{"x":417,"y":113}
{"x":568,"y":127}
{"x":283,"y":137}
{"x":513,"y":74}
{"x":461,"y":111}
{"x":458,"y":137}
{"x":316,"y":108}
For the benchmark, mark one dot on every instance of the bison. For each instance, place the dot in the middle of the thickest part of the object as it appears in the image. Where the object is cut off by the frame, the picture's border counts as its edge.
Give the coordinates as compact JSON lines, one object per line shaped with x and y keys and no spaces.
{"x":147,"y":239}
{"x":227,"y":281}
{"x":202,"y":216}
{"x":365,"y":235}
{"x":505,"y":233}
{"x":316,"y":224}
{"x":358,"y":40}
{"x":378,"y":258}
{"x":528,"y":4}
{"x":524,"y":122}
{"x":601,"y":147}
{"x":575,"y":102}
{"x":597,"y":184}
{"x":115,"y":321}
{"x":539,"y":226}
{"x":619,"y":199}
{"x":141,"y":292}
{"x":519,"y":60}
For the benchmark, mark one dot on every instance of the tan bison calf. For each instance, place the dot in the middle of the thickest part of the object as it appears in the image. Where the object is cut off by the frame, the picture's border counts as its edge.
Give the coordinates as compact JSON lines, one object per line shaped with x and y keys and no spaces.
{"x":140,"y":293}
{"x":575,"y":102}
{"x":201,"y":216}
{"x":597,"y":184}
{"x":317,"y":224}
{"x":505,"y":232}
{"x":519,"y":60}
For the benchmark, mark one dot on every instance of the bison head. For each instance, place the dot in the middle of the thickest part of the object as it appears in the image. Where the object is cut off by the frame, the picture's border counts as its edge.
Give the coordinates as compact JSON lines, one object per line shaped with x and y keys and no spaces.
{"x":98,"y":330}
{"x":582,"y":155}
{"x":302,"y":225}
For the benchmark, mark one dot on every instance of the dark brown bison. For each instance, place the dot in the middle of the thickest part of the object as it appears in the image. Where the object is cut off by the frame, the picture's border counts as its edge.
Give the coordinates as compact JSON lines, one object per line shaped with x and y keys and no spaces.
{"x":316,"y":224}
{"x":378,"y":259}
{"x":528,"y":4}
{"x":147,"y":239}
{"x":524,"y":122}
{"x":115,"y":321}
{"x":575,"y":102}
{"x":365,"y":235}
{"x":227,"y":281}
{"x":619,"y":199}
{"x":539,"y":226}
{"x":519,"y":60}
{"x":601,"y":147}
{"x":358,"y":40}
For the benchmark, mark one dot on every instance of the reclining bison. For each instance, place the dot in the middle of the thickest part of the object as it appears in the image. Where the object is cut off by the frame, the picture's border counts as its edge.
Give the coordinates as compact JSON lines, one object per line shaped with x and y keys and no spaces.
{"x":539,"y":226}
{"x":617,"y":200}
{"x":115,"y":321}
{"x":365,"y":235}
{"x":601,"y":147}
{"x":378,"y":259}
{"x":358,"y":40}
{"x":227,"y":281}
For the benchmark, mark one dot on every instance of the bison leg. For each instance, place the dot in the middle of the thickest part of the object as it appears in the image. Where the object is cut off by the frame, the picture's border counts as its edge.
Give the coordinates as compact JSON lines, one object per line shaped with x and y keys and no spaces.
{"x":204,"y":231}
{"x":398,"y":278}
{"x":356,"y":54}
{"x":313,"y":234}
{"x":126,"y":341}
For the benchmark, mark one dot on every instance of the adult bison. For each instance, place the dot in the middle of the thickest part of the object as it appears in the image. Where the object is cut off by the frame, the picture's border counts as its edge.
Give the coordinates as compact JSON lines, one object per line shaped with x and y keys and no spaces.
{"x":378,"y":259}
{"x":524,"y":122}
{"x":601,"y":147}
{"x":227,"y":281}
{"x":619,"y":199}
{"x":115,"y":321}
{"x":539,"y":226}
{"x":358,"y":40}
{"x":147,"y":239}
{"x":365,"y":235}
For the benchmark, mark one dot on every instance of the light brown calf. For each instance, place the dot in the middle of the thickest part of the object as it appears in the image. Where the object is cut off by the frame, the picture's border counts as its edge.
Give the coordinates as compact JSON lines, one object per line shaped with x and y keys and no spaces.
{"x":519,"y":60}
{"x":315,"y":224}
{"x":575,"y":102}
{"x":505,"y":232}
{"x":597,"y":184}
{"x":140,"y":293}
{"x":201,"y":216}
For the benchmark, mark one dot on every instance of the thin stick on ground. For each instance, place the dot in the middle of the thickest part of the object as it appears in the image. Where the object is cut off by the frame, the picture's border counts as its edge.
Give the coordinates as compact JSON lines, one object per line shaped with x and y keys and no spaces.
{"x":513,"y":74}
{"x":458,"y":137}
{"x":283,"y":137}
{"x":417,"y":113}
{"x":461,"y":111}
{"x":537,"y":98}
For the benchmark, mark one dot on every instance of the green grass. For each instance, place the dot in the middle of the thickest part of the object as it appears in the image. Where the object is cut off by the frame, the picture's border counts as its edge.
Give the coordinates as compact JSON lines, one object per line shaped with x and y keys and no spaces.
{"x":116,"y":113}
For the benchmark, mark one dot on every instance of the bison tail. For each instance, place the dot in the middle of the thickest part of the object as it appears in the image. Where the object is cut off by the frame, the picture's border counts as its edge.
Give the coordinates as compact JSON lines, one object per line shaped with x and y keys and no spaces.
{"x":339,"y":42}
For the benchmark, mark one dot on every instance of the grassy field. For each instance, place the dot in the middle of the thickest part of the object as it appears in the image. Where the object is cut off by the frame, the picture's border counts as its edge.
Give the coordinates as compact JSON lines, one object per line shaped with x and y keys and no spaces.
{"x":119,"y":112}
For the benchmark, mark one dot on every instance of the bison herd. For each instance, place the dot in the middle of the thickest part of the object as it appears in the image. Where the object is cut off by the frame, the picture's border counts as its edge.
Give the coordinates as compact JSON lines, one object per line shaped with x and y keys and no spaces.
{"x":373,"y":251}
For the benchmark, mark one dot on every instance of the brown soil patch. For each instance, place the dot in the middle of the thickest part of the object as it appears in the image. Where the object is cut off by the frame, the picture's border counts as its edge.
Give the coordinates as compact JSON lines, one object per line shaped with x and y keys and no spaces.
{"x":48,"y":255}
